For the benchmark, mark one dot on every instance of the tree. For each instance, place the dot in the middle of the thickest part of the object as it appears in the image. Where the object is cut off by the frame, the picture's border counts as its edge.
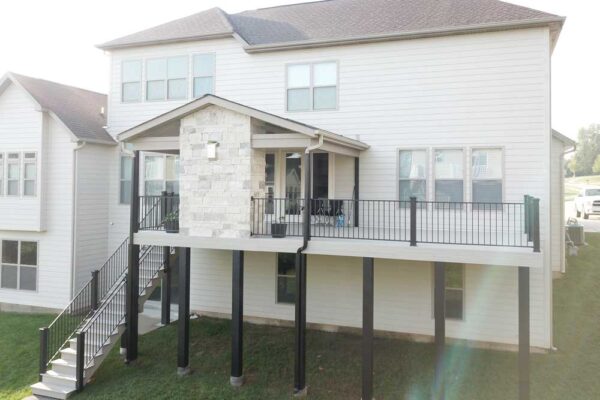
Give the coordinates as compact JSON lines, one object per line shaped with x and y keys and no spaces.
{"x":596,"y":166}
{"x":588,"y":149}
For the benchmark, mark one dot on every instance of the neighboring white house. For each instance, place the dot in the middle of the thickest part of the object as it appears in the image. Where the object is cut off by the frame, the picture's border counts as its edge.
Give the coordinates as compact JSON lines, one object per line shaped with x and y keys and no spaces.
{"x":444,"y":101}
{"x":54,"y":158}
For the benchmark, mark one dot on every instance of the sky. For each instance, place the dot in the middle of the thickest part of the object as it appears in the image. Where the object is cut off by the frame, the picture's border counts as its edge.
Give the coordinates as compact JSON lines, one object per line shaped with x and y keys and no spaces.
{"x":56,"y":40}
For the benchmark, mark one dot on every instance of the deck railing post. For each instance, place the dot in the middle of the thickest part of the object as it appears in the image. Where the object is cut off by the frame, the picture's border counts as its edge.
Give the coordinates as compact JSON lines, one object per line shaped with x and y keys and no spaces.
{"x":43,"y":351}
{"x":79,"y":366}
{"x":163,"y":208}
{"x":94,"y":290}
{"x":165,"y":295}
{"x":526,"y":215}
{"x":536,"y":225}
{"x":413,"y":221}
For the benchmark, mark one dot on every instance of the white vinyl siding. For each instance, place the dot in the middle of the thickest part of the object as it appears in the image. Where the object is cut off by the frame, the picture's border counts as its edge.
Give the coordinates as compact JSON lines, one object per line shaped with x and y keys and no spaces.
{"x":203,"y":68}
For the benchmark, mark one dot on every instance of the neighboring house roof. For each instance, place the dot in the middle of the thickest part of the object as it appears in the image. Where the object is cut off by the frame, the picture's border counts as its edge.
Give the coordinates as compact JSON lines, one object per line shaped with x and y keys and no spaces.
{"x":78,"y":109}
{"x":209,"y":99}
{"x":566,"y":140}
{"x":339,"y":21}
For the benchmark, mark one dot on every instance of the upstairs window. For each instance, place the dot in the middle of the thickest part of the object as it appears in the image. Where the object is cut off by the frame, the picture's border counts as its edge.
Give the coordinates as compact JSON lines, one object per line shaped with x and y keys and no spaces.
{"x":204,"y":74}
{"x":487,"y":175}
{"x":286,"y":278}
{"x":131,"y":77}
{"x":13,"y":175}
{"x":166,"y":78}
{"x":449,"y":175}
{"x":19,"y":265}
{"x":125,"y":179}
{"x":29,"y":174}
{"x":312,"y":87}
{"x":413,"y":174}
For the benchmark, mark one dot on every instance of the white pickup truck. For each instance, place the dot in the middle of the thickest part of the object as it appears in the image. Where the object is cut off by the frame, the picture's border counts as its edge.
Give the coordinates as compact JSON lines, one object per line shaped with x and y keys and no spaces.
{"x":587,"y":202}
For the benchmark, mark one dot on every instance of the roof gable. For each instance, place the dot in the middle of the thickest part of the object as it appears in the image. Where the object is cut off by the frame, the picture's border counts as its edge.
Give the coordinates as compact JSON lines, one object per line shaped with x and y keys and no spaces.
{"x":78,"y":109}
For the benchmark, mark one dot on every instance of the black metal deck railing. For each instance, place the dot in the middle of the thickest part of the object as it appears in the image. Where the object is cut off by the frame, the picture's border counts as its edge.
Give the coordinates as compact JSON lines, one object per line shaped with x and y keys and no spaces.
{"x":460,"y":223}
{"x":155,"y":209}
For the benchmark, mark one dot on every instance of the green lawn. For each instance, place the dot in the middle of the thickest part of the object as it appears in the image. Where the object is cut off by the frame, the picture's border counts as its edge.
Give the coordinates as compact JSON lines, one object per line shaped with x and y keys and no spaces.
{"x":19,"y":340}
{"x":573,"y":185}
{"x":403,"y":370}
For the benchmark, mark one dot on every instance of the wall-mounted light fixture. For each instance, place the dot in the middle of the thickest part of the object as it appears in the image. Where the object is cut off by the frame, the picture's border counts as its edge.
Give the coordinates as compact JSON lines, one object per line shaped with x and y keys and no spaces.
{"x":211,"y":150}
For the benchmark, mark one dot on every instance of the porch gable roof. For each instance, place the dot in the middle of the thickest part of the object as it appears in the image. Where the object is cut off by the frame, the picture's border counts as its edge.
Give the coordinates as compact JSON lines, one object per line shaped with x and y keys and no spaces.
{"x":177,"y":114}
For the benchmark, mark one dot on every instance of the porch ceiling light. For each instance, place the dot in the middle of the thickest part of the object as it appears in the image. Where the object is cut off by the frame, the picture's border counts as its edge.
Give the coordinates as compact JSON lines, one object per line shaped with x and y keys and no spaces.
{"x":294,"y":155}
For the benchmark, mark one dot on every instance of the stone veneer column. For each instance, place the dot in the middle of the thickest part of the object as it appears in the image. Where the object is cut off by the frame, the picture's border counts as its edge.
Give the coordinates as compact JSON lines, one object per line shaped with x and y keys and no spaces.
{"x":215,"y":194}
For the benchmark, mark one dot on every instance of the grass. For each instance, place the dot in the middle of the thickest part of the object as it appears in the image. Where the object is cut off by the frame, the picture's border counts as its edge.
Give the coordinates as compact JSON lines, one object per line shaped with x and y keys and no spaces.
{"x":19,"y":340}
{"x":573,"y":185}
{"x":403,"y":370}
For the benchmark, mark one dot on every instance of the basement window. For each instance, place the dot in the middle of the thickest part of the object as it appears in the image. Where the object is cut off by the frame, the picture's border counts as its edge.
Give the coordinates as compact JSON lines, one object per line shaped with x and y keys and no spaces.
{"x":455,"y":290}
{"x":19,"y":265}
{"x":286,"y":278}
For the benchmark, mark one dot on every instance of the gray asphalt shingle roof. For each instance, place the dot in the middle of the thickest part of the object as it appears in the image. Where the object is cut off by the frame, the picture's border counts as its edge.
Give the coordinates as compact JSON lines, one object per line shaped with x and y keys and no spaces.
{"x":335,"y":20}
{"x":78,"y":109}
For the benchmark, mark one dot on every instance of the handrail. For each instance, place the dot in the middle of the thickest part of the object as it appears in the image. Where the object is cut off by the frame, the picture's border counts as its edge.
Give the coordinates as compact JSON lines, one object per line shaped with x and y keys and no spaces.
{"x":501,"y":224}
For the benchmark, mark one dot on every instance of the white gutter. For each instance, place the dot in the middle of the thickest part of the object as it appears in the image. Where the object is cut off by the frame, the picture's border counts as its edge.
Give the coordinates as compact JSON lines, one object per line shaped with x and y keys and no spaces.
{"x":78,"y":146}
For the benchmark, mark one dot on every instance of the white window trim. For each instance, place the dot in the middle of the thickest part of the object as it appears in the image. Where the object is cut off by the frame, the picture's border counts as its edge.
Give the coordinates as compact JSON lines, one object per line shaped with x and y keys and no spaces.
{"x":193,"y":76}
{"x":427,"y":151}
{"x":19,"y":178}
{"x":502,"y":168}
{"x":464,"y":170}
{"x":312,"y":86}
{"x":18,"y":265}
{"x":140,"y":81}
{"x":121,"y":180}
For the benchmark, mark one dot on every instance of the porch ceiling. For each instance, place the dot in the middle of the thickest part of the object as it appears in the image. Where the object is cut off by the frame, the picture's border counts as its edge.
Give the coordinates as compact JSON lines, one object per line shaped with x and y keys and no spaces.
{"x":287,"y":132}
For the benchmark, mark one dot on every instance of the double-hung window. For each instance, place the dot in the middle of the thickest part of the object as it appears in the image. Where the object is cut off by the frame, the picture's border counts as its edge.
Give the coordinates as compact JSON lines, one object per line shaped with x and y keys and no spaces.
{"x":1,"y":174}
{"x":454,"y":290}
{"x":166,"y":78}
{"x":412,"y":174}
{"x":13,"y":176}
{"x":29,"y":174}
{"x":286,"y":278}
{"x":486,"y":175}
{"x":172,"y":174}
{"x":131,"y":77}
{"x":19,"y":265}
{"x":312,"y":86}
{"x":204,"y":74}
{"x":449,"y":185}
{"x":125,"y":179}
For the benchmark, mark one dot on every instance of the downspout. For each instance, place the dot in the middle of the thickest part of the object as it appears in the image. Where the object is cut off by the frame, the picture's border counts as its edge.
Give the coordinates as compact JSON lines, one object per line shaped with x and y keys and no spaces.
{"x":563,"y":260}
{"x":307,"y":191}
{"x":78,"y":146}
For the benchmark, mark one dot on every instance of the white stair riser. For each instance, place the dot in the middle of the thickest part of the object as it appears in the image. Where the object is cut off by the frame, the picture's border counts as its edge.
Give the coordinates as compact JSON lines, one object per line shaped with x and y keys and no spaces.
{"x":49,"y":393}
{"x":59,"y":381}
{"x":64,"y":369}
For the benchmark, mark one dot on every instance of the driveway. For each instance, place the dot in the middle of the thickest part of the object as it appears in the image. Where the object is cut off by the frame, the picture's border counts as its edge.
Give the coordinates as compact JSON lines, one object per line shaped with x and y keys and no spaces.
{"x":589,"y":225}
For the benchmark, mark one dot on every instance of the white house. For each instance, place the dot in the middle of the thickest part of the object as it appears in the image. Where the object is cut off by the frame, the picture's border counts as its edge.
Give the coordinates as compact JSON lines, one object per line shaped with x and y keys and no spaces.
{"x":53,"y":200}
{"x":405,"y":147}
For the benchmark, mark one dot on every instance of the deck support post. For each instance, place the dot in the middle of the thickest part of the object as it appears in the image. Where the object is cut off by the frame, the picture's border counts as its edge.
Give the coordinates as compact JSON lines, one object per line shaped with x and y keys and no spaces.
{"x":237,"y":319}
{"x":367,"y":333}
{"x":133,"y":266}
{"x":165,"y":288}
{"x":183,"y":323}
{"x":300,"y":325}
{"x":524,"y":334}
{"x":439,"y":305}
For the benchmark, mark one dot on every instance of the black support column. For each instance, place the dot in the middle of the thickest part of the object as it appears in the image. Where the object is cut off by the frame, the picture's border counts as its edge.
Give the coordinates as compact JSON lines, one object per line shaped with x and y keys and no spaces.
{"x":439,"y":312}
{"x":133,"y":265}
{"x":367,"y":333}
{"x":356,"y":190}
{"x":524,"y":333}
{"x":165,"y":288}
{"x":237,"y":319}
{"x":300,"y":321}
{"x":183,"y":323}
